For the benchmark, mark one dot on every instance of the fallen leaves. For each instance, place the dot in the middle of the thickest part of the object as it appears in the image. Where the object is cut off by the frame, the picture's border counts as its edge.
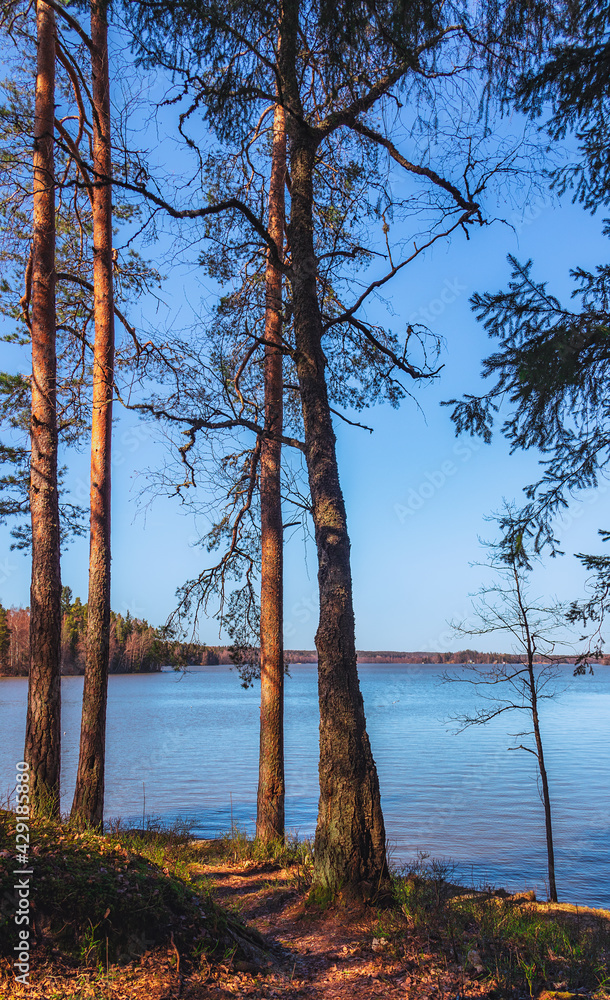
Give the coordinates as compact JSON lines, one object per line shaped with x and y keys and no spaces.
{"x":339,"y":954}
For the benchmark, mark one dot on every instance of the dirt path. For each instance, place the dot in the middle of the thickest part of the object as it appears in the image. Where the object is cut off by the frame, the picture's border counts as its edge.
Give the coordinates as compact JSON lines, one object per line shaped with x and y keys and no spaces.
{"x":345,"y":954}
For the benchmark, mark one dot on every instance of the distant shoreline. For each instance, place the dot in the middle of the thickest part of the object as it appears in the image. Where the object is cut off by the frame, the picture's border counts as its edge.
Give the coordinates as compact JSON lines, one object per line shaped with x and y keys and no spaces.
{"x":425,"y":658}
{"x":221,"y":656}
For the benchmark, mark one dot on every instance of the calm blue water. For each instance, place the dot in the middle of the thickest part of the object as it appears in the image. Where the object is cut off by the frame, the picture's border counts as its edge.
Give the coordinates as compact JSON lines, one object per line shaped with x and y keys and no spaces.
{"x":187,"y":746}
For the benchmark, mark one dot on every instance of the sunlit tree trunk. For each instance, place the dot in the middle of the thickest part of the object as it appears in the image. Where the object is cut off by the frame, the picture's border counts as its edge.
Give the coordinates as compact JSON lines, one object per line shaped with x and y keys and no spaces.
{"x":350,"y":850}
{"x":43,"y":723}
{"x":270,"y":804}
{"x":88,"y":805}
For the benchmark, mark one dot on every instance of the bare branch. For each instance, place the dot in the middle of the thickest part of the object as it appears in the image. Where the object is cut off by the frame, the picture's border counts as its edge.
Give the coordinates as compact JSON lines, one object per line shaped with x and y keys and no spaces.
{"x":77,"y":280}
{"x":199,"y":423}
{"x":348,"y":314}
{"x":72,"y":22}
{"x":415,"y":373}
{"x":101,"y":180}
{"x":469,"y":206}
{"x":352,"y":423}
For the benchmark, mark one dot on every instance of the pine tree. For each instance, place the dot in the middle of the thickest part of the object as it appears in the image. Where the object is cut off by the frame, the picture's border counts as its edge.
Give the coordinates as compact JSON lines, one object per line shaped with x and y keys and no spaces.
{"x":43,"y":725}
{"x":88,"y":805}
{"x":270,"y":799}
{"x":552,"y":361}
{"x":83,"y":283}
{"x":332,"y":66}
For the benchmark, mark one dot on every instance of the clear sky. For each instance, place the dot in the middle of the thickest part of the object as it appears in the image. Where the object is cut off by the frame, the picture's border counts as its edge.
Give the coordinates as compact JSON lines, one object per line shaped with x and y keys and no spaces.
{"x":417,"y":497}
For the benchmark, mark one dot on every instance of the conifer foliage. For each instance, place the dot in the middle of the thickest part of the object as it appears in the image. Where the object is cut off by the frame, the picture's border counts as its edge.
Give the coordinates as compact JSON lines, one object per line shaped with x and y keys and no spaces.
{"x":553,"y":359}
{"x":135,"y":645}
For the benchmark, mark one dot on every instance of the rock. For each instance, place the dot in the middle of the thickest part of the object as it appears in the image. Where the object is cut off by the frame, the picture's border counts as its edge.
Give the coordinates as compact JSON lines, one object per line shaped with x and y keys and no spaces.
{"x":475,"y":960}
{"x":380,"y":944}
{"x":241,"y":966}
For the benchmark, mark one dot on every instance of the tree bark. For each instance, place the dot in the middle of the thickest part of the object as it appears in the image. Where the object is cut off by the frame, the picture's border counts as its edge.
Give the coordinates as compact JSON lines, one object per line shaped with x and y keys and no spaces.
{"x":350,"y":836}
{"x":270,"y":802}
{"x":349,"y":853}
{"x":43,"y":723}
{"x":546,"y":799}
{"x":88,"y":805}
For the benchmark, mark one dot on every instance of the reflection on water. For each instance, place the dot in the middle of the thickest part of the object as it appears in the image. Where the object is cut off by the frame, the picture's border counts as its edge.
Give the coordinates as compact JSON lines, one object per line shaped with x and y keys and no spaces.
{"x":188,"y":746}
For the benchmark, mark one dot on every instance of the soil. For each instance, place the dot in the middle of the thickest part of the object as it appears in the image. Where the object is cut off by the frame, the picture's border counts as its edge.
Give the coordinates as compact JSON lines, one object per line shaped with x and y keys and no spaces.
{"x":345,"y":953}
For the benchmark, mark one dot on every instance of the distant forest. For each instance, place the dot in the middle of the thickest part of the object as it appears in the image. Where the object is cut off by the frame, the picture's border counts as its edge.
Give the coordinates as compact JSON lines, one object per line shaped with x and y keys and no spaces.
{"x":137,"y":647}
{"x":394,"y":656}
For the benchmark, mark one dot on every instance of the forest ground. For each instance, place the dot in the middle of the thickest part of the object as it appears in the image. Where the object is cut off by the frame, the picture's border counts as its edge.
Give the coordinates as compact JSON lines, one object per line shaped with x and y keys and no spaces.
{"x":270,"y":942}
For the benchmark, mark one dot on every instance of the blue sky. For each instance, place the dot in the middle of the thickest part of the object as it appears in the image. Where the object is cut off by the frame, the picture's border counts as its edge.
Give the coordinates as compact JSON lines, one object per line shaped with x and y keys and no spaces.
{"x":417,"y":497}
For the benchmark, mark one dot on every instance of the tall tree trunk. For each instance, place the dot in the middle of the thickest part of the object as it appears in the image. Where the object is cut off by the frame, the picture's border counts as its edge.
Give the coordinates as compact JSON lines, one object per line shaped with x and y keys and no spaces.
{"x":546,"y":799}
{"x":270,"y":802}
{"x":43,"y":725}
{"x":349,"y":850}
{"x":88,"y":805}
{"x":350,"y":836}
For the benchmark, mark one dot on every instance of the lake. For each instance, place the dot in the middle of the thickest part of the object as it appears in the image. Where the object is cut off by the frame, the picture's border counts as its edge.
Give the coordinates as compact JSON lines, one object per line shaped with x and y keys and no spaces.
{"x":187,"y":746}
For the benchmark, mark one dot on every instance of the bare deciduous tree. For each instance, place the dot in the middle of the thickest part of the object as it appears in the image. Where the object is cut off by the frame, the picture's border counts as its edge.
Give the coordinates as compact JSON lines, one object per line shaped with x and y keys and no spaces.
{"x":537,"y":630}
